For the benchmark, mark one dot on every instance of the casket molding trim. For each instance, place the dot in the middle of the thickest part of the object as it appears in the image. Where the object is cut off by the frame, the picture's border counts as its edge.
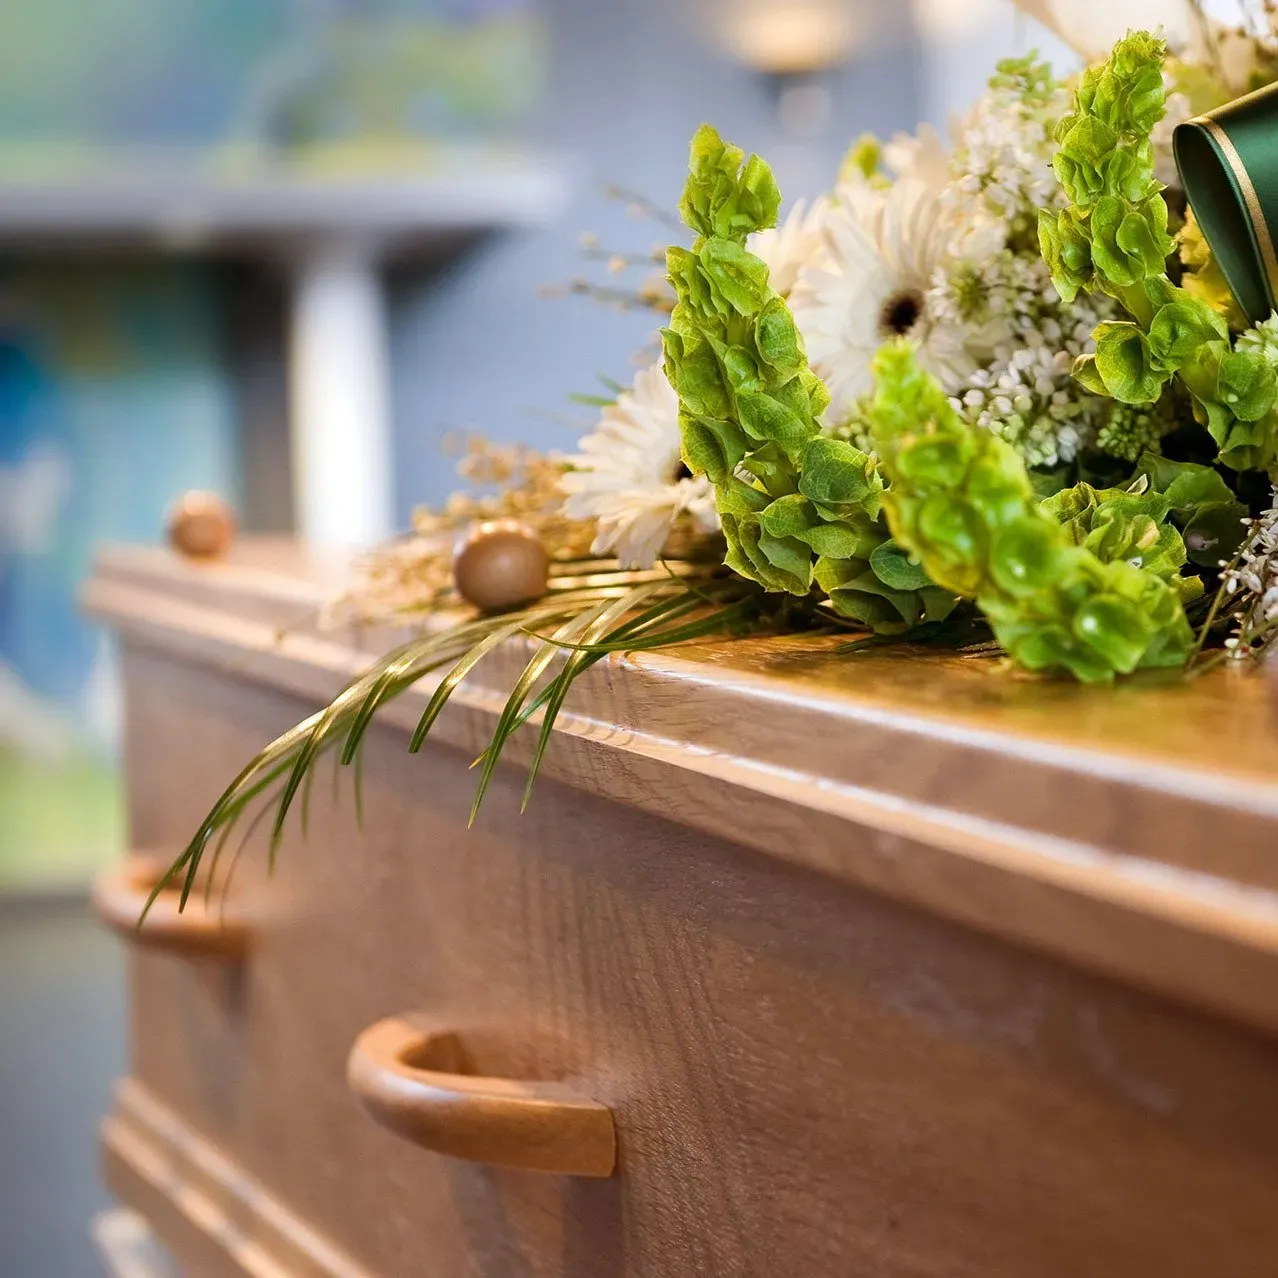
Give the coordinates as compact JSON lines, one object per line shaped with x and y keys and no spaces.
{"x":199,"y":1203}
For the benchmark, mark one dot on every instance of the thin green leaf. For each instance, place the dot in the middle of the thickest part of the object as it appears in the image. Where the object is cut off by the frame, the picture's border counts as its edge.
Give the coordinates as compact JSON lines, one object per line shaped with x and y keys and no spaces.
{"x":664,"y":638}
{"x":590,"y":652}
{"x":532,"y":672}
{"x":358,"y":779}
{"x":453,"y":678}
{"x":258,"y":817}
{"x":576,"y":663}
{"x":398,"y":670}
{"x":661,"y":611}
{"x":383,"y":678}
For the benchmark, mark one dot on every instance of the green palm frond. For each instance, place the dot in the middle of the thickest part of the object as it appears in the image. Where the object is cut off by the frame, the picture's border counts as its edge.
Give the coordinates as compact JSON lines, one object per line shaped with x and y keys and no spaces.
{"x":599,"y":613}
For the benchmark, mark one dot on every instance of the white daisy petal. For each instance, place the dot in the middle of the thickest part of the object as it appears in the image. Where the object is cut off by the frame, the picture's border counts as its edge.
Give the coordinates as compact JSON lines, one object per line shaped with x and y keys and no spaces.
{"x":788,"y":247}
{"x":627,"y":475}
{"x":880,"y":249}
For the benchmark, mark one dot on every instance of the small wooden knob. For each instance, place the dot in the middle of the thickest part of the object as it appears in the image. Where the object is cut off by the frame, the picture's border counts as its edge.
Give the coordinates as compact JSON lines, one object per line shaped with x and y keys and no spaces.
{"x":201,"y":526}
{"x":499,"y":564}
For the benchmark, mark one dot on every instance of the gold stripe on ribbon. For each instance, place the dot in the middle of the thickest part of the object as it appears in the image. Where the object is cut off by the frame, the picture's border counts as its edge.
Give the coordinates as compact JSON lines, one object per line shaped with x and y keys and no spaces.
{"x":1254,"y":212}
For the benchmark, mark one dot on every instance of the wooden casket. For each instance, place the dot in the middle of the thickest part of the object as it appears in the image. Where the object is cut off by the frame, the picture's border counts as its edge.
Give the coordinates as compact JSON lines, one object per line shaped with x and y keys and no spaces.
{"x":798,"y":963}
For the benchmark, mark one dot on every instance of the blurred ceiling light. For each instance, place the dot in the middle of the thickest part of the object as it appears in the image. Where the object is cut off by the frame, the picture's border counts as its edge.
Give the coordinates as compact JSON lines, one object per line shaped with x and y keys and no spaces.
{"x":942,"y":20}
{"x":791,"y":44}
{"x":786,"y":37}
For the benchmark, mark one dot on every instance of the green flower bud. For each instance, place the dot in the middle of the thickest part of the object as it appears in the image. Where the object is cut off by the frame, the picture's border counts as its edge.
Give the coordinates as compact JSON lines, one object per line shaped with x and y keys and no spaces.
{"x":1115,"y":628}
{"x":1026,"y":557}
{"x":1080,"y":162}
{"x":721,"y":197}
{"x":1066,"y":246}
{"x":1125,"y":363}
{"x":1085,"y":153}
{"x":796,"y":507}
{"x":1245,"y":384}
{"x":1129,"y":242}
{"x":734,"y":274}
{"x":1128,"y":171}
{"x":961,"y":501}
{"x":1180,"y":328}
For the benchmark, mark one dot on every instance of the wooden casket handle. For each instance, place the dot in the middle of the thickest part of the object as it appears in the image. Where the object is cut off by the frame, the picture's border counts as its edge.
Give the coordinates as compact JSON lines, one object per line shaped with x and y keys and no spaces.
{"x":537,"y":1126}
{"x":120,"y":893}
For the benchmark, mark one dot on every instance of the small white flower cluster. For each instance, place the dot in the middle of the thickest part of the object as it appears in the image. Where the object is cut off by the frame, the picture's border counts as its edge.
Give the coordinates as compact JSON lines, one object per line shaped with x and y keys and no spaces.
{"x":1004,"y":157}
{"x":1005,"y":302}
{"x":1025,"y":393}
{"x":1262,"y":339}
{"x":1251,"y":584}
{"x":1028,"y":402}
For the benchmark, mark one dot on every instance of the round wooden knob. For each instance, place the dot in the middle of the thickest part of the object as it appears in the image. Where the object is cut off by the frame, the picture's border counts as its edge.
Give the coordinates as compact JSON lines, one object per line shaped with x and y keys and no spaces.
{"x":201,"y":526}
{"x":499,"y":564}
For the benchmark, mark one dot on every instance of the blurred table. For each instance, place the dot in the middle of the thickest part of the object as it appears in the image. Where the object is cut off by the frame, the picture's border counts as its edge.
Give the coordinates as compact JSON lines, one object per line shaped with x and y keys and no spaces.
{"x":333,"y":231}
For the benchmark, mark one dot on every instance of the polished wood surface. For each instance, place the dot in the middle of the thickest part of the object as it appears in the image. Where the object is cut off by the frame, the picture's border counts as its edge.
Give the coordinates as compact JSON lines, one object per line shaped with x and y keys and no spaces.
{"x":409,"y":1077}
{"x":1129,"y":829}
{"x":894,"y":975}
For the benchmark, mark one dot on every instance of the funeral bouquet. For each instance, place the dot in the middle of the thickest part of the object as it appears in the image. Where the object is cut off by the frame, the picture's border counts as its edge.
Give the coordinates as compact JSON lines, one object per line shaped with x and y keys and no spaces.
{"x":1019,"y":390}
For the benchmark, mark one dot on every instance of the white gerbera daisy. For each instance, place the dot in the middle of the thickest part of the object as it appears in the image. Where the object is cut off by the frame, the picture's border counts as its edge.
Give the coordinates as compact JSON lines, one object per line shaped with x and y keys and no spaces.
{"x":883,"y":247}
{"x":788,"y":247}
{"x":630,"y":477}
{"x":922,"y":155}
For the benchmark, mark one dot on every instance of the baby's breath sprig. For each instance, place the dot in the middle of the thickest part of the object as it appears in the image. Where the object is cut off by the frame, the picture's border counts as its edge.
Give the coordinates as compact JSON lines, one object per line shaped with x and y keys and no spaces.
{"x":1249,"y":587}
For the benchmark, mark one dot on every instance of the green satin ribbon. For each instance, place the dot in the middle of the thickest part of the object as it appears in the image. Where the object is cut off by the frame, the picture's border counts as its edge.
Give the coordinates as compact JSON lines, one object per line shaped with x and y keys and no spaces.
{"x":1228,"y":163}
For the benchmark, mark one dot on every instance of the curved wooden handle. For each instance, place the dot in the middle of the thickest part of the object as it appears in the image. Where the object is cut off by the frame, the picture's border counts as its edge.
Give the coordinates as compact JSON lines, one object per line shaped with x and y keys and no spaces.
{"x":120,"y":893}
{"x":537,"y":1126}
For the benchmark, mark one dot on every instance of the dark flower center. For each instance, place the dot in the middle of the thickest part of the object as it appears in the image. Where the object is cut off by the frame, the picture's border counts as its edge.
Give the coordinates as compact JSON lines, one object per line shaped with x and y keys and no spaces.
{"x":681,"y":470}
{"x":900,"y":312}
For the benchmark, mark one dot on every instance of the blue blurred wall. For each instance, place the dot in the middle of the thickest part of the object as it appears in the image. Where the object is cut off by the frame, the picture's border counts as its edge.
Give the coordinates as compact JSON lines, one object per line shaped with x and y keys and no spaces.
{"x":479,"y":348}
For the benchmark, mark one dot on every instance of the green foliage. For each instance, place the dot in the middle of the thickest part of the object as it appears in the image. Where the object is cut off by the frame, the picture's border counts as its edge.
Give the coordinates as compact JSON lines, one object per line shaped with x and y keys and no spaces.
{"x":862,"y":158}
{"x":1112,"y":237}
{"x":1059,"y":591}
{"x":1201,"y":505}
{"x":722,"y":198}
{"x":1131,"y":524}
{"x":1029,"y":78}
{"x":1134,"y":429}
{"x":810,"y":513}
{"x":585,"y":624}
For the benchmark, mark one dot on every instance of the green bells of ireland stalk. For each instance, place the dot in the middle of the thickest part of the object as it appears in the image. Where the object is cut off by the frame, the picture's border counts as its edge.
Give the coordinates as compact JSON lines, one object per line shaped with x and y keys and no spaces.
{"x":1063,"y":592}
{"x":799,"y":510}
{"x":1112,"y":238}
{"x":802,"y":512}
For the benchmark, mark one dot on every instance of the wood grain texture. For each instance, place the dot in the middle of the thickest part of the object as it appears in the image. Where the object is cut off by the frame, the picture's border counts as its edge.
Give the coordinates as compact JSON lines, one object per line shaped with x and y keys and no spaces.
{"x":806,"y":1077}
{"x":409,"y":1076}
{"x":916,"y":992}
{"x":223,"y":1222}
{"x":1128,"y":829}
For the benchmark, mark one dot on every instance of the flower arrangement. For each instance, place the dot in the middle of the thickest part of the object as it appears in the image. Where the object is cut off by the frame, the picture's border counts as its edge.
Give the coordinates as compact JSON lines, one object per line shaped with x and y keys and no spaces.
{"x":998,"y":393}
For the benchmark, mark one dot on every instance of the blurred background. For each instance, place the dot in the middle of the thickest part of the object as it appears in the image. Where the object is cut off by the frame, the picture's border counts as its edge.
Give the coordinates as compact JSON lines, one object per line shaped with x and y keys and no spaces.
{"x":279,"y":249}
